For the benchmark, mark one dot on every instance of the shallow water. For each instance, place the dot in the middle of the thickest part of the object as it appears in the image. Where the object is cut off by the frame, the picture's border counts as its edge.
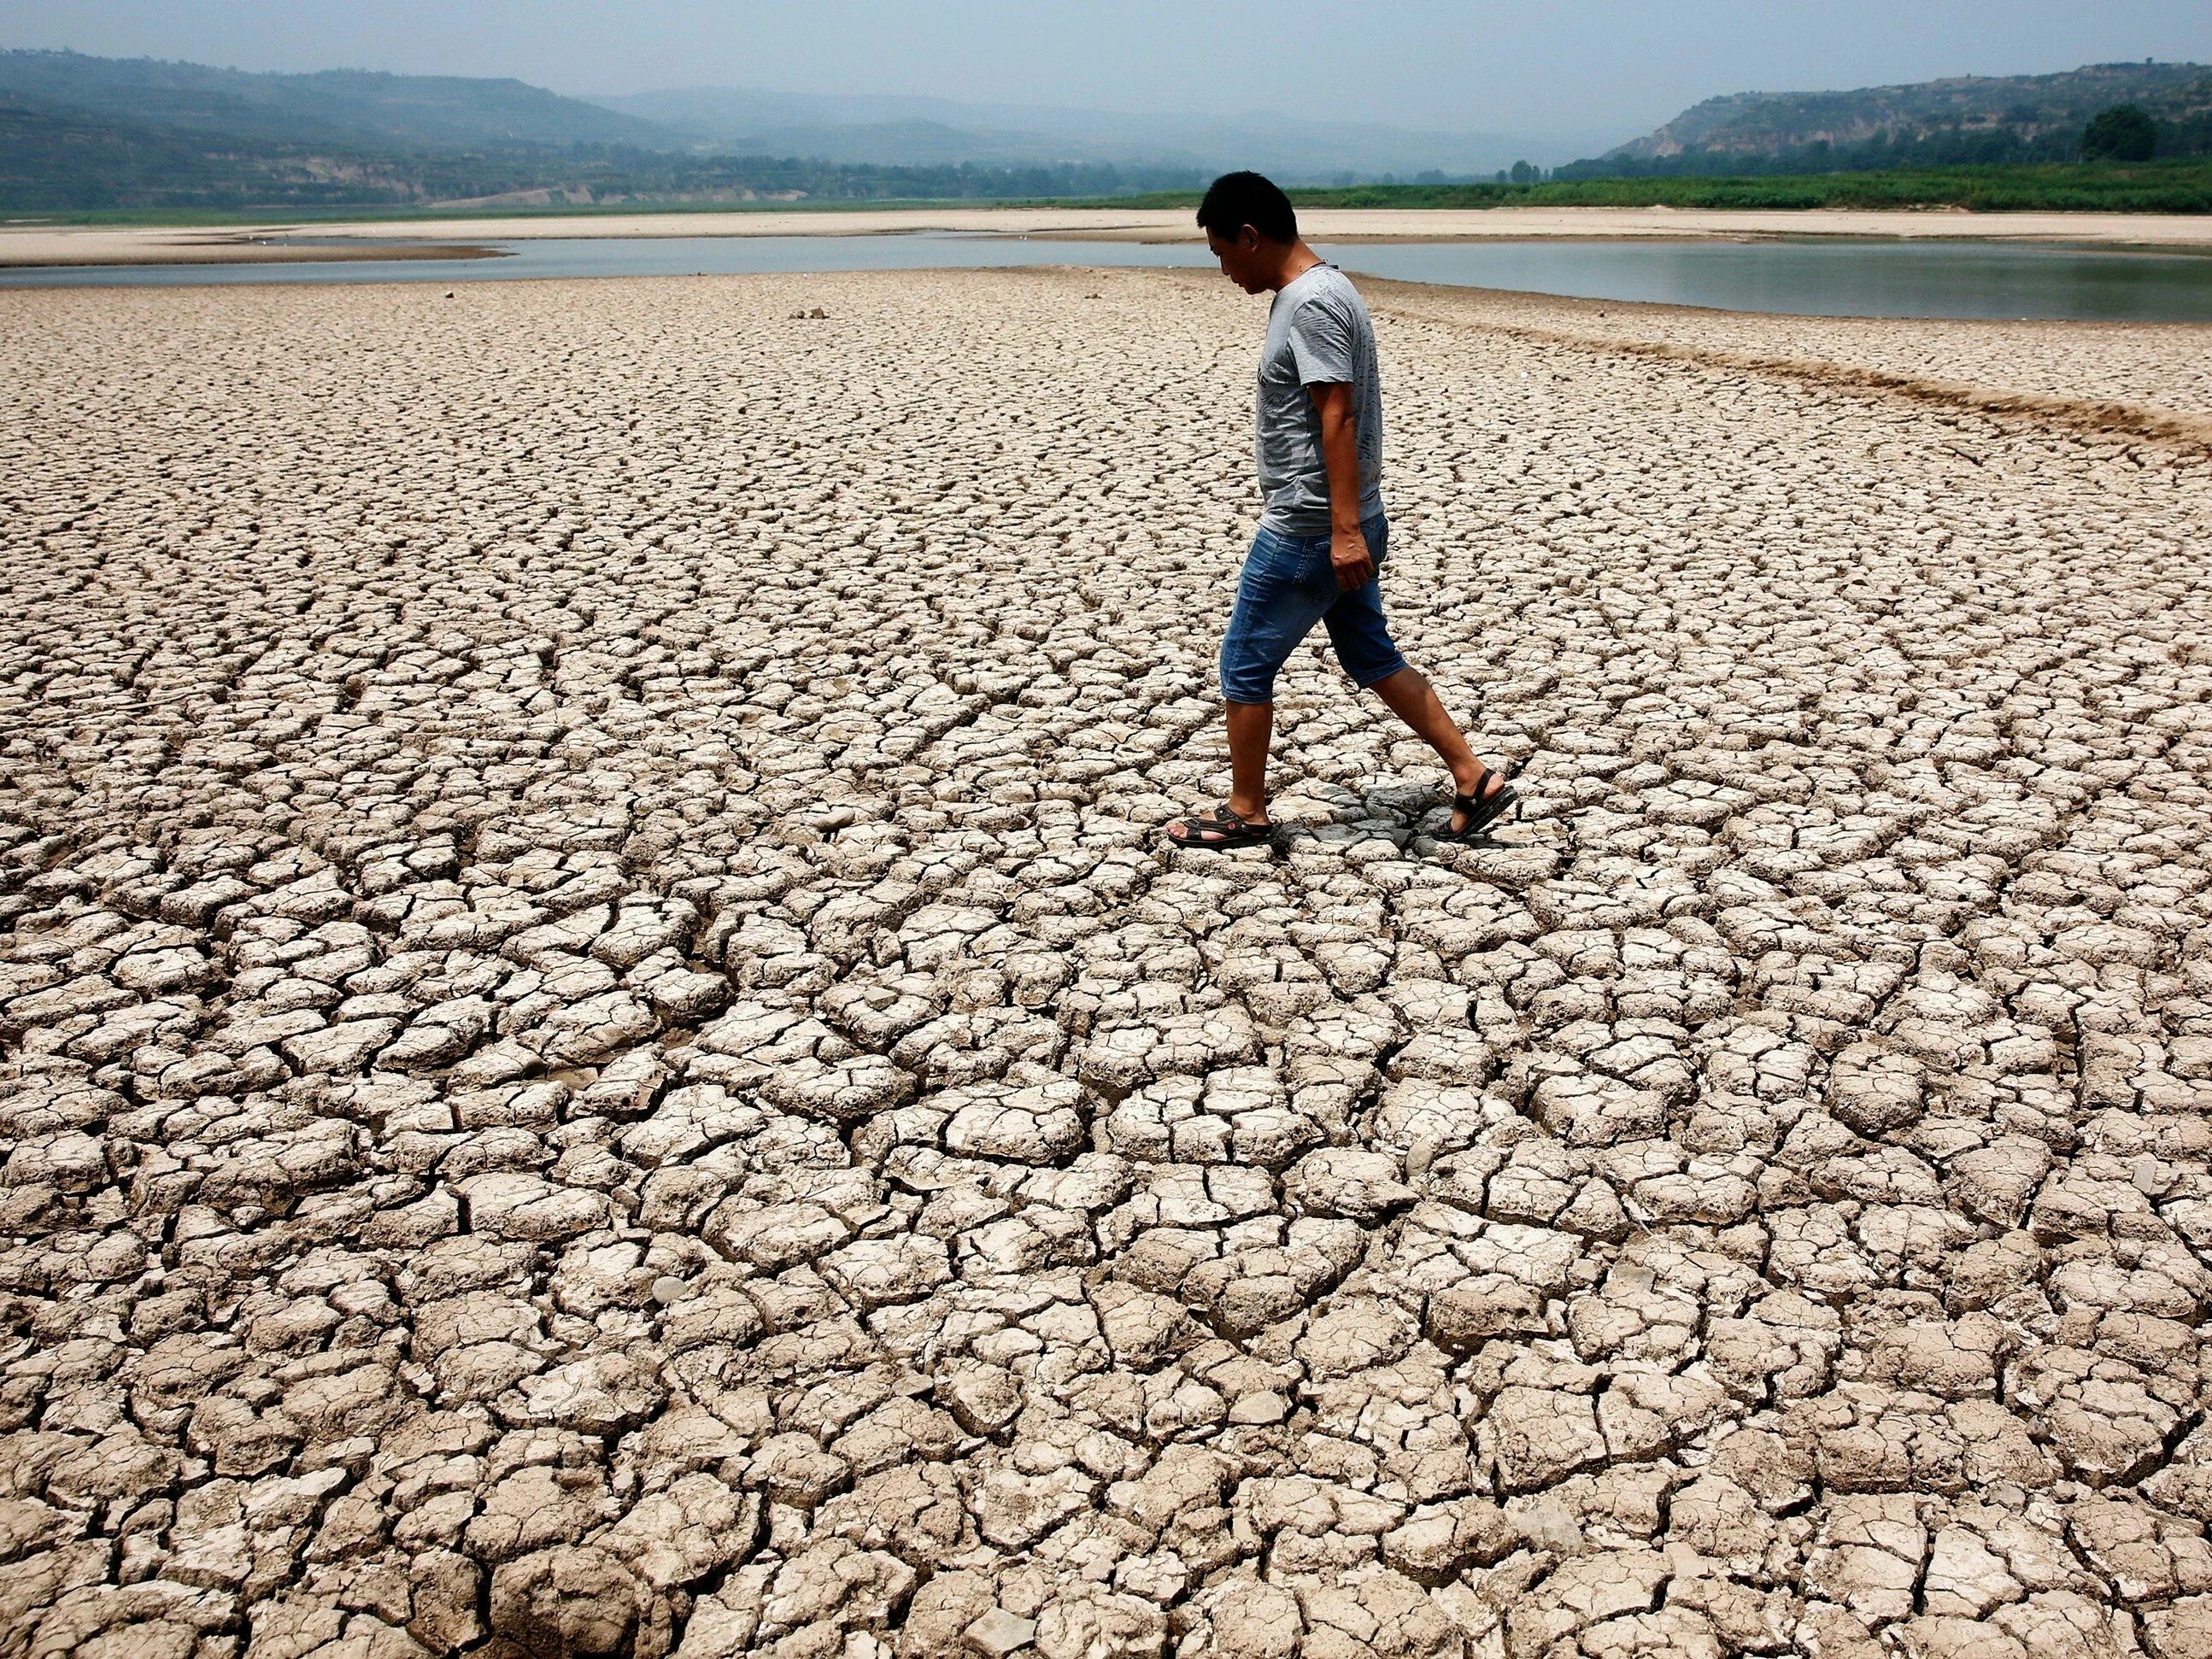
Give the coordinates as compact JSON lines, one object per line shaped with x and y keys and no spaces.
{"x":1825,"y":278}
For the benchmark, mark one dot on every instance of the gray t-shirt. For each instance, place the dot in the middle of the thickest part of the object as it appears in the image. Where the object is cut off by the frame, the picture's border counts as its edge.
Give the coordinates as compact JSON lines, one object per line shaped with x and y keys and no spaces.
{"x":1318,"y":334}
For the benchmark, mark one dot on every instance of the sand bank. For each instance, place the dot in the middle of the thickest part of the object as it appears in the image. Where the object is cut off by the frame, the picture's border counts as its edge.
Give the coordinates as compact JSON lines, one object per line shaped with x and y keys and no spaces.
{"x":274,"y":245}
{"x":35,"y":244}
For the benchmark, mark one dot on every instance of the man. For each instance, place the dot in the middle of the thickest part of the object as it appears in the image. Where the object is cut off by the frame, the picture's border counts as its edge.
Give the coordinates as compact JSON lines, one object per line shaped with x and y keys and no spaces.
{"x":1318,"y":428}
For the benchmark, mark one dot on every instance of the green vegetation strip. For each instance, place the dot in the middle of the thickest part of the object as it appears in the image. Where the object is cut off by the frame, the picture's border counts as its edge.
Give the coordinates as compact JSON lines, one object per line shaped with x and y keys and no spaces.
{"x":2177,"y":187}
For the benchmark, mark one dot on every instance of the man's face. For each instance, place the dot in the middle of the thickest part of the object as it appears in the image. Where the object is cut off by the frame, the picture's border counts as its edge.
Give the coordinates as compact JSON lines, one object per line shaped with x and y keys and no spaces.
{"x":1242,"y":258}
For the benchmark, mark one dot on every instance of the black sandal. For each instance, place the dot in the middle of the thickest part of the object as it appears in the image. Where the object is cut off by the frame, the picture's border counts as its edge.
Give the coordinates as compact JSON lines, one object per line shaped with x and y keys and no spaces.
{"x":1218,"y":830}
{"x":1482,"y":809}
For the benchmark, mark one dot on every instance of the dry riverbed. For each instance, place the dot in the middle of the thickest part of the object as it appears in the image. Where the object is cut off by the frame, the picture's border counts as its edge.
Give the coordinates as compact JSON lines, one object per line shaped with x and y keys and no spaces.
{"x":600,"y":1057}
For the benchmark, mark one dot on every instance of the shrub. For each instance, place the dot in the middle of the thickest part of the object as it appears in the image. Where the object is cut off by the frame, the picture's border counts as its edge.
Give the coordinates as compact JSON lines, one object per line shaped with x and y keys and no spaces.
{"x":2122,"y":133}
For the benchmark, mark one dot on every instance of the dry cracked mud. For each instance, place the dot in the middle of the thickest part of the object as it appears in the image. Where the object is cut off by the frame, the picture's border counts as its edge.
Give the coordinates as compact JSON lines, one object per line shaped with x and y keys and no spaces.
{"x":600,"y":1057}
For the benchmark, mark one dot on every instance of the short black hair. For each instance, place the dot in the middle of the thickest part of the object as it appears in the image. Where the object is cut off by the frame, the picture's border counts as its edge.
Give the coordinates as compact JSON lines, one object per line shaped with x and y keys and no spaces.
{"x":1237,"y":199}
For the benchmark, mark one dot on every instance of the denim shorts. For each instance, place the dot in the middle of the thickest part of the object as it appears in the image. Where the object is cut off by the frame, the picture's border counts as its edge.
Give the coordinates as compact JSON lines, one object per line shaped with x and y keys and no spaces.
{"x":1289,"y":585}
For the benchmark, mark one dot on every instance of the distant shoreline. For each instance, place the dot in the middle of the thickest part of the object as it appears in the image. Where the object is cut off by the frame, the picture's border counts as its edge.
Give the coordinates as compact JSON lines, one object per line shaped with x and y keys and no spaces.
{"x":465,"y":238}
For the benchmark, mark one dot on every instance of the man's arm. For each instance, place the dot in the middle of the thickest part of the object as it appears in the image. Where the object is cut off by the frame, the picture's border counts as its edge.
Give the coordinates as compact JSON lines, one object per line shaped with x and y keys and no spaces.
{"x":1339,"y":456}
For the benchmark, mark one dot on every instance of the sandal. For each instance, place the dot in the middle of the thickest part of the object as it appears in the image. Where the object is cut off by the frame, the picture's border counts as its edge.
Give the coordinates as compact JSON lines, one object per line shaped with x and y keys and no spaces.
{"x":1218,"y":830}
{"x":1483,"y":806}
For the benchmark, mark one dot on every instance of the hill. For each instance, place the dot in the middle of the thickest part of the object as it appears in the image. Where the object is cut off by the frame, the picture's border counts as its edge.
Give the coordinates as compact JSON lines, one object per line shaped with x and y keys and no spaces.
{"x":904,"y":129}
{"x":361,"y":105}
{"x":1986,"y":119}
{"x":57,"y":161}
{"x":61,"y":160}
{"x":365,"y":107}
{"x":81,"y":134}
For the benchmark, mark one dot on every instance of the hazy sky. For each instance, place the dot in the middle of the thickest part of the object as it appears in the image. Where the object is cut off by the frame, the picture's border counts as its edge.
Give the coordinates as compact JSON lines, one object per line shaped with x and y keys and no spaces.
{"x":1533,"y":66}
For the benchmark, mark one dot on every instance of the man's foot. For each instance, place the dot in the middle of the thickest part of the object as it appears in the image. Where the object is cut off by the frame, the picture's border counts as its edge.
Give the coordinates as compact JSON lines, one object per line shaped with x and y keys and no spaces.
{"x":1220,"y":830}
{"x":1479,"y":805}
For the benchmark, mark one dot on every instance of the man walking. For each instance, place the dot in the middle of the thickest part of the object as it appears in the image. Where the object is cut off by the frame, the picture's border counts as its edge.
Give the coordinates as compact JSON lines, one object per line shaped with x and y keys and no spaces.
{"x":1318,"y":431}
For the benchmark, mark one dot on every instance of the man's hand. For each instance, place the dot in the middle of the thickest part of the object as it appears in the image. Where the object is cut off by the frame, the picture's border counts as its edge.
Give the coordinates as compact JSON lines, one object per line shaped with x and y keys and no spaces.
{"x":1347,"y":552}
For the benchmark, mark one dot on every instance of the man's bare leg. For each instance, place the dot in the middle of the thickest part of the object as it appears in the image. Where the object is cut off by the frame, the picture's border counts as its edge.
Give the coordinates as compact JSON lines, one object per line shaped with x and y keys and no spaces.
{"x":1251,"y":729}
{"x":1415,"y":701}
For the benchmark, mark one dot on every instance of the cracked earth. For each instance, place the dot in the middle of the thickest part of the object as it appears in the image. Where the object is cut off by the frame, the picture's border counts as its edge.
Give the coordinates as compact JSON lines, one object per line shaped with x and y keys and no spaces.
{"x":600,"y":1057}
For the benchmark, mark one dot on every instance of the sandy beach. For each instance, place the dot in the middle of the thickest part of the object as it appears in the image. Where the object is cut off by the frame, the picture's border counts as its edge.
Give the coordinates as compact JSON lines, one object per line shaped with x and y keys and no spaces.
{"x":28,"y":243}
{"x":600,"y":1055}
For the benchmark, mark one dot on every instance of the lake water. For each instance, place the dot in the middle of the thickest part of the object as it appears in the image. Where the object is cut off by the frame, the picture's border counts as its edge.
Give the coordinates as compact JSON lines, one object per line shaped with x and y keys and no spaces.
{"x":1817,"y":278}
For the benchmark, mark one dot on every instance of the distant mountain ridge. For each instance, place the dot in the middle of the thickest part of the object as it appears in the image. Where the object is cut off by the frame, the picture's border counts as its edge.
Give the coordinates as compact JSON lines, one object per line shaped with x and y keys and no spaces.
{"x":81,"y":132}
{"x":418,"y":112}
{"x":357,"y":105}
{"x":889,"y":128}
{"x":2023,"y":117}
